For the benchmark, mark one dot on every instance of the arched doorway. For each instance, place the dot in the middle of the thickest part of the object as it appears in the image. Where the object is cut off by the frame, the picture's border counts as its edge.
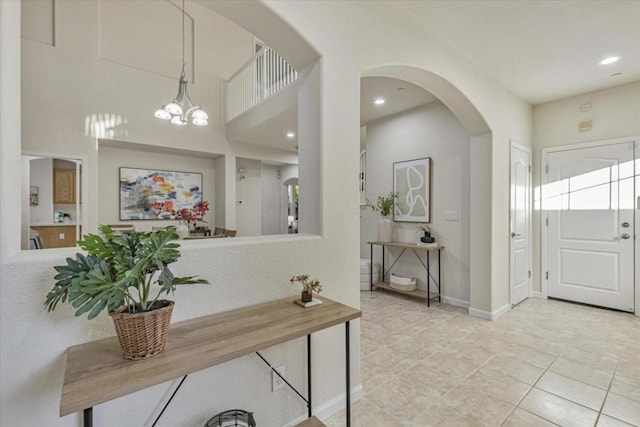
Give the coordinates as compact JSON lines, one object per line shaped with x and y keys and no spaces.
{"x":480,"y":189}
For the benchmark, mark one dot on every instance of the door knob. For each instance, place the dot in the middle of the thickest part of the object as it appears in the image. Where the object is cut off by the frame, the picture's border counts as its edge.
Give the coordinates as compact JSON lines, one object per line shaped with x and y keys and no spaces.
{"x":625,"y":236}
{"x":515,"y":235}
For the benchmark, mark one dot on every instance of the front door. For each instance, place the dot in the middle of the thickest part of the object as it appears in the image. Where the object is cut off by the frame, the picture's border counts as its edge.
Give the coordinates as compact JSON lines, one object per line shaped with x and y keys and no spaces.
{"x":588,"y":202}
{"x":520,"y":201}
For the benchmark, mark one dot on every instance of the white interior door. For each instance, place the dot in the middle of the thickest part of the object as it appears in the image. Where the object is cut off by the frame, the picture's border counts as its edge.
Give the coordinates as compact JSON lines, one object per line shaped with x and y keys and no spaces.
{"x":589,"y":200}
{"x":520,"y":205}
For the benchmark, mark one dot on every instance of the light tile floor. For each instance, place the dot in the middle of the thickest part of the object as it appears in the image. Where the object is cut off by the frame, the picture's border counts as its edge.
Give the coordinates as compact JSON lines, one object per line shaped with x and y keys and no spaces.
{"x":543,"y":363}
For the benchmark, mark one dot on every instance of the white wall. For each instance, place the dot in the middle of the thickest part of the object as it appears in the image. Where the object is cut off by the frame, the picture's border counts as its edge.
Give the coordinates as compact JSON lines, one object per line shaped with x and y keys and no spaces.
{"x":111,"y":159}
{"x":41,"y":175}
{"x":272,"y":212}
{"x":427,"y":131}
{"x":614,"y":113}
{"x":244,"y":270}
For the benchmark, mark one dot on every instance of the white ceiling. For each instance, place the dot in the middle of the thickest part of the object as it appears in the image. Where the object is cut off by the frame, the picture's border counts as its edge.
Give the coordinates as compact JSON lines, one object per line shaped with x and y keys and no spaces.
{"x":398,"y":95}
{"x":542,"y":50}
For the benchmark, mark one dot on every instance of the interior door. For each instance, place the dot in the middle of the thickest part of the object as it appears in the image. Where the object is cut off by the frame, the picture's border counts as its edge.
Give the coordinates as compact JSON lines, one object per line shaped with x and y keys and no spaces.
{"x":520,"y":218}
{"x":589,"y":200}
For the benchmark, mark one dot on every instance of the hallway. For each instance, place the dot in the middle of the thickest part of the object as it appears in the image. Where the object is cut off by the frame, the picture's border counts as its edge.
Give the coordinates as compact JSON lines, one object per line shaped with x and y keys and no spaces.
{"x":543,"y":363}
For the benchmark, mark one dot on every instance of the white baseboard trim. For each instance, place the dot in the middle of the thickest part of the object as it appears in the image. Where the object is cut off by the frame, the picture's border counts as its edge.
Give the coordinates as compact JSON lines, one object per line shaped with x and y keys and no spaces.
{"x":489,"y":315}
{"x":455,"y":301}
{"x":537,"y":294}
{"x":331,"y":407}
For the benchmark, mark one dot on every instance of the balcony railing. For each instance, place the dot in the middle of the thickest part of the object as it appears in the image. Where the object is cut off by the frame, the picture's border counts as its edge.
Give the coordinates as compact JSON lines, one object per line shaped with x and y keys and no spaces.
{"x":264,"y":75}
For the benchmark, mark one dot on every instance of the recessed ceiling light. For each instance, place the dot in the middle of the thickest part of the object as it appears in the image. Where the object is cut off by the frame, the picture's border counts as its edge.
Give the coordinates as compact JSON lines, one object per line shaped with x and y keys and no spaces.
{"x":291,"y":135}
{"x":379,"y":101}
{"x":609,"y":60}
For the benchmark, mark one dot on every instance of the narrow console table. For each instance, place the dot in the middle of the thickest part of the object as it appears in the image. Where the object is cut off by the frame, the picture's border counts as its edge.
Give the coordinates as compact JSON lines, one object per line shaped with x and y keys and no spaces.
{"x":96,"y":373}
{"x":418,"y":293}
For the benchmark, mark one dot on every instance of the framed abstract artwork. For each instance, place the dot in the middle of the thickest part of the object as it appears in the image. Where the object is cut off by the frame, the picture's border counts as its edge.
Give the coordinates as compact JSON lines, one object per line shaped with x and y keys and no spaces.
{"x":156,"y":194}
{"x":33,"y":196}
{"x":412,"y":184}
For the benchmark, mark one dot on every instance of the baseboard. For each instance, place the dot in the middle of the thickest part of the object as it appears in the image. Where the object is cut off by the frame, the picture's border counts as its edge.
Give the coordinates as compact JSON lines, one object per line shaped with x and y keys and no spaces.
{"x":331,"y":407}
{"x":455,"y":301}
{"x":537,"y":294}
{"x":489,"y":315}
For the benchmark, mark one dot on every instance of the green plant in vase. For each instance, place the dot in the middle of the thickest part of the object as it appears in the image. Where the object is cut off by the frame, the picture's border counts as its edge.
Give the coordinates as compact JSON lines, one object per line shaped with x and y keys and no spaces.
{"x":124,"y":274}
{"x":384,"y":206}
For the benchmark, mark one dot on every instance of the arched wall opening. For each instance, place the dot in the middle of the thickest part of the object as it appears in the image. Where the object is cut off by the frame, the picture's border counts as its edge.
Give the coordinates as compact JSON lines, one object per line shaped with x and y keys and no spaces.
{"x":478,"y":294}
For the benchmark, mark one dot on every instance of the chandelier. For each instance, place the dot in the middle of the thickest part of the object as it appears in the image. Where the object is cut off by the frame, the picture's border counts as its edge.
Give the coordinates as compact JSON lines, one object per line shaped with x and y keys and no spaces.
{"x":181,"y":109}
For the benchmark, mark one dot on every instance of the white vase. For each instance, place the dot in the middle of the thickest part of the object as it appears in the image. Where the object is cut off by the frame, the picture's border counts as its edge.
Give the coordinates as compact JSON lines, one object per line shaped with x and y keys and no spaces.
{"x":182,"y":230}
{"x":385,"y":230}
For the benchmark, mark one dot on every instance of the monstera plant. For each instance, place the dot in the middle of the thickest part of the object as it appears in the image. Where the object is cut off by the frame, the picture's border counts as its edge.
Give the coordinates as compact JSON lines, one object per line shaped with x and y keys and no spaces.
{"x":125,"y":274}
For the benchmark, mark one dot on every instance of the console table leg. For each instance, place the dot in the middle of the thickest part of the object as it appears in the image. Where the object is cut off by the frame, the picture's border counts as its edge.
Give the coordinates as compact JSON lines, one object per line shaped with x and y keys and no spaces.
{"x":428,"y":281}
{"x":439,"y":279}
{"x":371,"y":268}
{"x":87,"y":417}
{"x":348,"y":361}
{"x":309,"y":407}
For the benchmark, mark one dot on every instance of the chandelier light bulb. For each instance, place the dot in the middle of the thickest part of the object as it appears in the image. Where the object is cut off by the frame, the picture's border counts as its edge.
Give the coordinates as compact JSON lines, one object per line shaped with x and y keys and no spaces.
{"x":162,"y":114}
{"x":177,"y":120}
{"x":200,"y":122}
{"x":173,"y":109}
{"x":200,"y":114}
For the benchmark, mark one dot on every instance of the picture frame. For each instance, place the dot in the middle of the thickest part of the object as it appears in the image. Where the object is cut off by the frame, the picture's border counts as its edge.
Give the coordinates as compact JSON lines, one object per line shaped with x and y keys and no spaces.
{"x":412,"y":185}
{"x":33,"y":195}
{"x":149,"y":194}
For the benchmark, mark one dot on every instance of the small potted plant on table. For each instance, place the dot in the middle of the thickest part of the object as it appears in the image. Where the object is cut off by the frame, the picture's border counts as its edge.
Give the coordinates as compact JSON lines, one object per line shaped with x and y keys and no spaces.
{"x":118,"y":275}
{"x":308,"y":287}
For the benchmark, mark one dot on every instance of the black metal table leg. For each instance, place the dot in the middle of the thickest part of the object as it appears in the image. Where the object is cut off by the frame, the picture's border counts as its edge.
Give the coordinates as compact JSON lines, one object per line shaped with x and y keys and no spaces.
{"x":309,"y":406}
{"x":428,"y":280}
{"x":348,"y":361}
{"x":439,"y":279}
{"x":87,"y":417}
{"x":371,"y":268}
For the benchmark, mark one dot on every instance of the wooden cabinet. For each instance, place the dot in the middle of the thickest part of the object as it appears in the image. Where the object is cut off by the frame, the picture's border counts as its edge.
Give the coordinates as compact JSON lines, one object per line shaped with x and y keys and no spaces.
{"x":51,"y":236}
{"x":64,"y":186}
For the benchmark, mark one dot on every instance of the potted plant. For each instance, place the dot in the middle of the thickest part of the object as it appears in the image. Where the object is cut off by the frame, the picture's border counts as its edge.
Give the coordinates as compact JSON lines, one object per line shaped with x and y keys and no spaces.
{"x":125,"y":274}
{"x":308,"y":286}
{"x":384,"y":207}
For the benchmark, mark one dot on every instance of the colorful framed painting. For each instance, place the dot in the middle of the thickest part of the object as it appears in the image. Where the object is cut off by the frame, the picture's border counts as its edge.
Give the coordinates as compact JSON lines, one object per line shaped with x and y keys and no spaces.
{"x":412,"y":184}
{"x":156,"y":194}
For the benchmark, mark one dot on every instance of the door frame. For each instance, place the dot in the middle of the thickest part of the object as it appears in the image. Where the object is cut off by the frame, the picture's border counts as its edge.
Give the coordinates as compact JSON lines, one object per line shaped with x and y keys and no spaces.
{"x":544,"y":260}
{"x":515,"y":144}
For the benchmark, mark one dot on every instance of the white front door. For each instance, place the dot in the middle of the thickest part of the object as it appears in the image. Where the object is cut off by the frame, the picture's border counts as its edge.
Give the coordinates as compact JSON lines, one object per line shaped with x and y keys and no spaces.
{"x":588,"y":200}
{"x":520,"y":206}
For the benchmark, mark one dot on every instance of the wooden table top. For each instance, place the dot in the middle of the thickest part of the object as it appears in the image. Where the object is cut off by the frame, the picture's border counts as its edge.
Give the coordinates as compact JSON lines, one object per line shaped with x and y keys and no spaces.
{"x":407,"y":245}
{"x":96,"y":372}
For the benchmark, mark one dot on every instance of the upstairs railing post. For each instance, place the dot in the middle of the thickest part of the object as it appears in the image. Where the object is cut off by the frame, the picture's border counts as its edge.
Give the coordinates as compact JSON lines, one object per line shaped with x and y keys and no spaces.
{"x":255,"y":81}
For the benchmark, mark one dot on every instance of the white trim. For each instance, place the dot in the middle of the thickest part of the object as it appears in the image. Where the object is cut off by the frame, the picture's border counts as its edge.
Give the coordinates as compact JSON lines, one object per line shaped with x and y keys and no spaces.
{"x":489,"y":315}
{"x":455,"y":301}
{"x":331,"y":407}
{"x":536,"y":294}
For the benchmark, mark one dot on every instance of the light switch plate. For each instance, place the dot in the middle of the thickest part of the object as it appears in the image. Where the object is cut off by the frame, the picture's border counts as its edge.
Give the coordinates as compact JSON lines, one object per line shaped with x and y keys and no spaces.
{"x":451,"y":215}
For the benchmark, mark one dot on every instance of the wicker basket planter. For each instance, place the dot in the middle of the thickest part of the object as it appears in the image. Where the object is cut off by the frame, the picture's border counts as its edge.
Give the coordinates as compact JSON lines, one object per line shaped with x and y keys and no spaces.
{"x":143,"y":335}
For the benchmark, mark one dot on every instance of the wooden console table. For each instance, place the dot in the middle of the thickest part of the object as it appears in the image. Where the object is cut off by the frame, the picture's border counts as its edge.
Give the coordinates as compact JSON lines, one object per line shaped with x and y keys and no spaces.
{"x":418,"y":293}
{"x":96,"y":373}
